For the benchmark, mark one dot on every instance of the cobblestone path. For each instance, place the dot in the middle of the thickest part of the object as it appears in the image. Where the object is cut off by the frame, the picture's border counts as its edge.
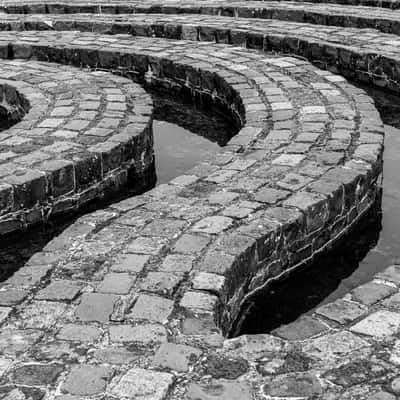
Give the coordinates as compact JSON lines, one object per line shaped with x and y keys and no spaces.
{"x":139,"y":300}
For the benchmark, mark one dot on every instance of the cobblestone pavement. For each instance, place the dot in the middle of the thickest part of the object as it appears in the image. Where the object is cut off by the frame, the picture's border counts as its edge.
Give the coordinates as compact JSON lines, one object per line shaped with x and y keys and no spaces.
{"x":136,"y":301}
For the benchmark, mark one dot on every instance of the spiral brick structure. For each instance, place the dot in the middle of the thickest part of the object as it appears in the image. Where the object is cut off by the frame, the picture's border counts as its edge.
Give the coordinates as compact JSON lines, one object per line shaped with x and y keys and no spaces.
{"x":140,"y":300}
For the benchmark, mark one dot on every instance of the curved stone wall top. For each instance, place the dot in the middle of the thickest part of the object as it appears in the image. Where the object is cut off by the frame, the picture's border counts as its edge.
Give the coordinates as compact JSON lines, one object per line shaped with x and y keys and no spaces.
{"x":322,"y":14}
{"x":82,"y":133}
{"x":134,"y":298}
{"x":365,"y":54}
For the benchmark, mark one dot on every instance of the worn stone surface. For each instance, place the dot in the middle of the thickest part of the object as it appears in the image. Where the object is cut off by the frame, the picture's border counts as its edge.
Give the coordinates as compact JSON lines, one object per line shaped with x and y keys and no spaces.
{"x":143,"y":384}
{"x":175,"y":356}
{"x":87,"y":380}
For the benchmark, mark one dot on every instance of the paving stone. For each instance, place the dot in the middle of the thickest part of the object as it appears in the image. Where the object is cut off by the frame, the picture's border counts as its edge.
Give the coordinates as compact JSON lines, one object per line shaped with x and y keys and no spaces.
{"x":87,"y":380}
{"x":115,"y":355}
{"x":200,"y":325}
{"x":79,"y":333}
{"x":209,"y":282}
{"x":145,"y":334}
{"x":222,"y":197}
{"x":175,"y":356}
{"x":5,"y":364}
{"x":392,"y":302}
{"x":161,"y":282}
{"x":356,"y":372}
{"x":219,"y":390}
{"x":381,"y":396}
{"x":36,"y":374}
{"x":16,"y":341}
{"x":333,"y":346}
{"x":220,"y":366}
{"x":300,"y":385}
{"x":12,"y":297}
{"x":59,"y":291}
{"x":270,"y":195}
{"x":216,"y":262}
{"x":198,"y":301}
{"x":152,"y":308}
{"x":391,"y":274}
{"x":342,"y":311}
{"x":41,"y":314}
{"x":212,"y":225}
{"x":168,"y":228}
{"x":288,"y":159}
{"x":372,"y":292}
{"x":142,"y":384}
{"x":146,"y":245}
{"x":4,"y":313}
{"x":117,"y":283}
{"x":96,"y":307}
{"x":177,"y":263}
{"x":29,"y":276}
{"x":379,"y":324}
{"x":188,"y":243}
{"x":132,"y":263}
{"x":302,"y":328}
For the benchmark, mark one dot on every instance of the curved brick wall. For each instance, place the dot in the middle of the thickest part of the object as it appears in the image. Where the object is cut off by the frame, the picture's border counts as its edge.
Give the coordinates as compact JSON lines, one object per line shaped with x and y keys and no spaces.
{"x":322,"y":14}
{"x":85,"y":134}
{"x":364,"y":54}
{"x":133,"y":301}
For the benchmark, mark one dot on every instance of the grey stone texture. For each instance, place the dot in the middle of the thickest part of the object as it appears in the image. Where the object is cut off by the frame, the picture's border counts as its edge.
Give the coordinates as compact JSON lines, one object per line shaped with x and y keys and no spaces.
{"x":135,"y":301}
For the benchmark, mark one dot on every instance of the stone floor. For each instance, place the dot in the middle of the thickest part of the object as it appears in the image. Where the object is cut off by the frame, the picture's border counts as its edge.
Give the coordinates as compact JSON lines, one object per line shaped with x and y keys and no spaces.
{"x":136,"y":301}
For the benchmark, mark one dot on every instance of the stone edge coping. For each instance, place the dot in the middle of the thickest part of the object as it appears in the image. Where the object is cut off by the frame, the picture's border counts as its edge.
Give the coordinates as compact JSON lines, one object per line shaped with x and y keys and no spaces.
{"x":313,"y":13}
{"x":369,"y":58}
{"x":356,"y":178}
{"x":54,"y":186}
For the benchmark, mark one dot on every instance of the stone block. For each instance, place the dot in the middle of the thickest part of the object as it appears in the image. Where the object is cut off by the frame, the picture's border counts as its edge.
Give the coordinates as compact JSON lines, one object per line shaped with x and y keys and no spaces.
{"x":62,"y":290}
{"x":117,"y":283}
{"x":152,"y":308}
{"x":142,"y":384}
{"x":87,"y":380}
{"x":380,"y":324}
{"x":96,"y":307}
{"x":176,"y":357}
{"x":145,"y":334}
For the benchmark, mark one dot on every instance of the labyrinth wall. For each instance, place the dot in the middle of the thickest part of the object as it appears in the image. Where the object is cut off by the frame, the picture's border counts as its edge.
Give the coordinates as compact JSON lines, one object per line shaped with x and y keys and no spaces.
{"x":140,"y":300}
